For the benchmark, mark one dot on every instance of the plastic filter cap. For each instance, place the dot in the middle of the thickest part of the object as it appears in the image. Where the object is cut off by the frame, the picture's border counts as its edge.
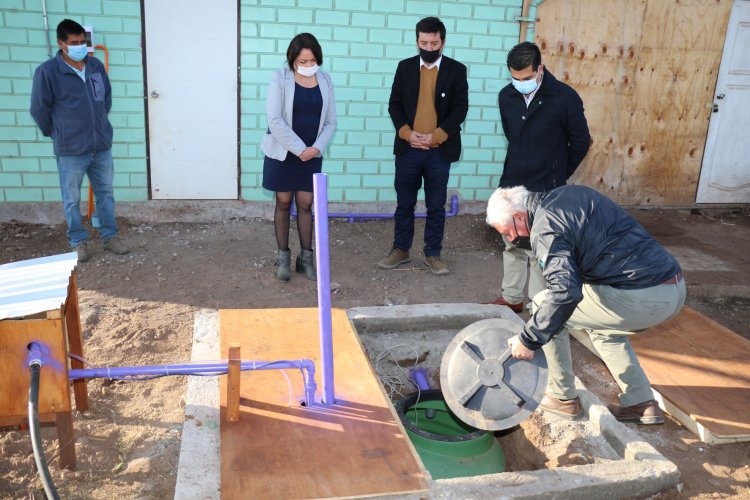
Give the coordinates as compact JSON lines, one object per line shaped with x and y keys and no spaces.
{"x":483,"y":384}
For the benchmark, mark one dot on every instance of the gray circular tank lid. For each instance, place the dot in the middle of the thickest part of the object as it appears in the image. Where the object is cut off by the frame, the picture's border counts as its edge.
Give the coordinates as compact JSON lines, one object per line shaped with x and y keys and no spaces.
{"x":483,"y":384}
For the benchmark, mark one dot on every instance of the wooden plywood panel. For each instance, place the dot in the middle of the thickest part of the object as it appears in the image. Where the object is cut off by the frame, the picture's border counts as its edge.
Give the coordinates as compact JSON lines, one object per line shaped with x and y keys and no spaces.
{"x":15,"y":335}
{"x":646,"y":71}
{"x":702,"y":368}
{"x":279,"y":449}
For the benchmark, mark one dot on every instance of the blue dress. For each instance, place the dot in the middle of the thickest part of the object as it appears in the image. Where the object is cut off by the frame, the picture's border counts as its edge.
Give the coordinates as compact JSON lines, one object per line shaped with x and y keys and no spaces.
{"x":293,"y":174}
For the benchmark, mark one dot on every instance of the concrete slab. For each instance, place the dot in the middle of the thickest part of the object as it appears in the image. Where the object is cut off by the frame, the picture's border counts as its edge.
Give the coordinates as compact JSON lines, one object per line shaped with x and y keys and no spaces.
{"x":628,"y":467}
{"x":199,"y":465}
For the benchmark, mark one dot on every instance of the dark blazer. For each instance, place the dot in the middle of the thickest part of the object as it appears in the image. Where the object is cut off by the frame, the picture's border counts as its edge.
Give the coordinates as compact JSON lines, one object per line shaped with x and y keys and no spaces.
{"x":451,"y":103}
{"x":547,"y":141}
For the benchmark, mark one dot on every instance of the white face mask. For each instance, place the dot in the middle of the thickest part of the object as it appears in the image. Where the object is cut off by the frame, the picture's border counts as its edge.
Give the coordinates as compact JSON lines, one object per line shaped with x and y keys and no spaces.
{"x":307,"y":70}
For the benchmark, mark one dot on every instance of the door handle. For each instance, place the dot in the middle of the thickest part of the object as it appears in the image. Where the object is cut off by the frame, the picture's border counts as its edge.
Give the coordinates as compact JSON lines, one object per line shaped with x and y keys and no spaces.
{"x":720,"y":96}
{"x":154,"y":94}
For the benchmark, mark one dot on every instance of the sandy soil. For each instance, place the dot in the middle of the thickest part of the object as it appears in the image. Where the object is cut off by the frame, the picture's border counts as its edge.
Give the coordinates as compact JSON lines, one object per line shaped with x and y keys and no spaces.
{"x":138,"y":309}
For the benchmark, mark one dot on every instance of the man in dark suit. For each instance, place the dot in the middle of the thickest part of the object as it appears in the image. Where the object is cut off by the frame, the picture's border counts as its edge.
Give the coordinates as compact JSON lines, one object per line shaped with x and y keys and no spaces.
{"x":429,"y":101}
{"x":548,"y":137}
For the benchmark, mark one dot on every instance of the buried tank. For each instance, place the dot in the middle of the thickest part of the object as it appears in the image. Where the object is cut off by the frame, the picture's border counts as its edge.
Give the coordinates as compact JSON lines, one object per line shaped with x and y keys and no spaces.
{"x":483,"y":389}
{"x":399,"y":339}
{"x":447,"y":446}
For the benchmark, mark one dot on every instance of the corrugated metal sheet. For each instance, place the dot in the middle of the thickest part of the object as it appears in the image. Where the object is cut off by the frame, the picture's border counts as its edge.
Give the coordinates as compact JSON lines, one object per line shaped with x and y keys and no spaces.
{"x":36,"y":285}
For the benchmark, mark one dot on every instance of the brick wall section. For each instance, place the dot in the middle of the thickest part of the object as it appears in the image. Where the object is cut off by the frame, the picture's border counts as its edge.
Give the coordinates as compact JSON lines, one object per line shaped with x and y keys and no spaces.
{"x":362,"y":42}
{"x":28,"y":171}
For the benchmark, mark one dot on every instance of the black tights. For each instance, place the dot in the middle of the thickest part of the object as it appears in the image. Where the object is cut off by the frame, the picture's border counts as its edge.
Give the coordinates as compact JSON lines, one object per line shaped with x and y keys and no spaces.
{"x":304,"y":200}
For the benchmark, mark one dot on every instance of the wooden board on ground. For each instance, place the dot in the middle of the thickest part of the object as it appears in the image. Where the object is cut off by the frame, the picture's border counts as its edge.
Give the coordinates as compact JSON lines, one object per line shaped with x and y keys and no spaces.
{"x":280,"y":449}
{"x":700,"y":370}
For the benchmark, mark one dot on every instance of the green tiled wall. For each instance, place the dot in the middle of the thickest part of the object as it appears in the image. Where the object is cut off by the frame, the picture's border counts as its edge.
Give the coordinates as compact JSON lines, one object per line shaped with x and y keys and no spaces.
{"x":362,"y":41}
{"x":28,"y":171}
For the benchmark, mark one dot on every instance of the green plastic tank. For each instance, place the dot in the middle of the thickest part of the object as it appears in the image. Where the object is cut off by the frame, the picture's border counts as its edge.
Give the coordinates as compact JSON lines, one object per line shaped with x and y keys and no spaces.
{"x":447,"y":446}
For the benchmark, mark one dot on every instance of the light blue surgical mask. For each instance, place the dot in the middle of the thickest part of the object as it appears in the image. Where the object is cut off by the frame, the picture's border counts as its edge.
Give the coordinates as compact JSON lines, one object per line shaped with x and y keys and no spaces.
{"x":77,"y":52}
{"x":524,"y":86}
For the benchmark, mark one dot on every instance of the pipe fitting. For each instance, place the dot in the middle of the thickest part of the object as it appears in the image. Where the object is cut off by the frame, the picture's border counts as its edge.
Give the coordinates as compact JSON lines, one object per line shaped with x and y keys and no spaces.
{"x":35,"y":356}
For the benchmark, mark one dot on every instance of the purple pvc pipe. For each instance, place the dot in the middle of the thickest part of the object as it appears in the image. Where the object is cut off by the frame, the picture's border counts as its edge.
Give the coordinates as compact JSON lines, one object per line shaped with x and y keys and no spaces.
{"x":419,"y":376}
{"x":320,"y":195}
{"x":306,"y":366}
{"x":354,"y":215}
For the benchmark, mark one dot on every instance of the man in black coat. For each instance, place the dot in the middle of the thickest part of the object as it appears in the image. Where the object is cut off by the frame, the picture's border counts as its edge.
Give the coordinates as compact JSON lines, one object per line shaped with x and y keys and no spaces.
{"x":429,"y":101}
{"x":605,"y":275}
{"x":548,"y":138}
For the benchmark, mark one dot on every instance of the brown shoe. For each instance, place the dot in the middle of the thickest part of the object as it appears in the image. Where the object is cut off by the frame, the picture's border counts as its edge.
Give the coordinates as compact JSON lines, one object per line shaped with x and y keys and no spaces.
{"x":395,"y":259}
{"x":569,"y":409}
{"x":646,"y":413}
{"x":436,"y":265}
{"x":500,"y":301}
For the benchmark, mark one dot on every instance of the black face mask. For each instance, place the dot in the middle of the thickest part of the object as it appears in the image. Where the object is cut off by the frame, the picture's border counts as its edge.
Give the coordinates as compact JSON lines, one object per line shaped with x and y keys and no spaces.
{"x":429,"y":56}
{"x":523,"y":242}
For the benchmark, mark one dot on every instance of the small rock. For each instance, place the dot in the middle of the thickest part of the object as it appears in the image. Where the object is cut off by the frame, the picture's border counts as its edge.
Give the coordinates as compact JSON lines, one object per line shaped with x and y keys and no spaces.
{"x":715,"y":482}
{"x":680,"y":446}
{"x":139,"y":465}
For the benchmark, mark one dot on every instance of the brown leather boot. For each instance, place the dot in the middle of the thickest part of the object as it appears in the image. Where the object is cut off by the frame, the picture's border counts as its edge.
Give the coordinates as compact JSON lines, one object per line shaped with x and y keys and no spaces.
{"x":646,"y":413}
{"x":394,"y":259}
{"x":568,"y":410}
{"x":500,"y":301}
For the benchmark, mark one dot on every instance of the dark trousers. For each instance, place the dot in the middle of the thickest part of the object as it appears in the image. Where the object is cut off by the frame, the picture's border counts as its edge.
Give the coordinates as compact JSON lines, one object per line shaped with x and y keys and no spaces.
{"x":411,"y":167}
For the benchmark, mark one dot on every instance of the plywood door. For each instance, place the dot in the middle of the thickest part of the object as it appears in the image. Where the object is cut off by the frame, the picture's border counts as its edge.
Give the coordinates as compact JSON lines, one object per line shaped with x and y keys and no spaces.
{"x":725,"y":176}
{"x":646,"y":70}
{"x":191,"y":75}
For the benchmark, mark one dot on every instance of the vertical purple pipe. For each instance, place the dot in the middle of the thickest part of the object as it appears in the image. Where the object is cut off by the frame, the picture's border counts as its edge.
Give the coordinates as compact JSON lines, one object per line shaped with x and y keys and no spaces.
{"x":320,"y":194}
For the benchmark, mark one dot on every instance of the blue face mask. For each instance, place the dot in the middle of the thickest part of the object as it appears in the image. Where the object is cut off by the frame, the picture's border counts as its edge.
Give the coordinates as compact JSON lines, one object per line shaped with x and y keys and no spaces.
{"x":77,"y":52}
{"x":524,"y":86}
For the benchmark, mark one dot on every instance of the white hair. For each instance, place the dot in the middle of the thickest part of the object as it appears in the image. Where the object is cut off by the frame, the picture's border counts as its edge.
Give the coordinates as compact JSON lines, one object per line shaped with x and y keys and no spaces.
{"x":504,"y":202}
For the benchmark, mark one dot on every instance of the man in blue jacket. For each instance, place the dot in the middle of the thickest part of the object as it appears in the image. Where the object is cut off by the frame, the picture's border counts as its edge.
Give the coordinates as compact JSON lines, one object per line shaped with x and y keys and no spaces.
{"x":70,"y":99}
{"x":548,"y":138}
{"x":604,"y":274}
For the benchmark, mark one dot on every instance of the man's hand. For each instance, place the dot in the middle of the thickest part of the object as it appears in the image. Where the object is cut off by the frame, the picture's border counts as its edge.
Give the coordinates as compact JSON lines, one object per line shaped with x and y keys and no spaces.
{"x":420,"y":141}
{"x":518,"y":350}
{"x":309,"y":153}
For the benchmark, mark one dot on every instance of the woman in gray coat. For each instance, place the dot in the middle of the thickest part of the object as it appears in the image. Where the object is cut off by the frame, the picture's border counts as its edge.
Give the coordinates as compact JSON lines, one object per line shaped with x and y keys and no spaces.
{"x":301,"y":112}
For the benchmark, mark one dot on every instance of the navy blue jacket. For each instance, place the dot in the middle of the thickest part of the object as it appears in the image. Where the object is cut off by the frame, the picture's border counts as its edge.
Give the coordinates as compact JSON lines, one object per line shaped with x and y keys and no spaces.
{"x":547,"y":141}
{"x":71,"y":111}
{"x":451,"y":103}
{"x":580,"y":236}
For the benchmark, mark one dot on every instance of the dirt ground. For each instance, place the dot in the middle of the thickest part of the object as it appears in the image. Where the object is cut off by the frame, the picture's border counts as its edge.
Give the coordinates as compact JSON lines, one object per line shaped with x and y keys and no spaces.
{"x":138,"y":309}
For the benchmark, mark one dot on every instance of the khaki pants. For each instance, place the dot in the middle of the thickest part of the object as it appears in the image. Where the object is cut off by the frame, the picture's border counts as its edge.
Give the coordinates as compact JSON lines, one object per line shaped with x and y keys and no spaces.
{"x":518,"y":265}
{"x":609,"y":315}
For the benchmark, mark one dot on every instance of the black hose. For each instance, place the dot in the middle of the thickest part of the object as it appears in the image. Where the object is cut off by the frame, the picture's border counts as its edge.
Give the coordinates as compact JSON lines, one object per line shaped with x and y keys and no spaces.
{"x":36,"y":435}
